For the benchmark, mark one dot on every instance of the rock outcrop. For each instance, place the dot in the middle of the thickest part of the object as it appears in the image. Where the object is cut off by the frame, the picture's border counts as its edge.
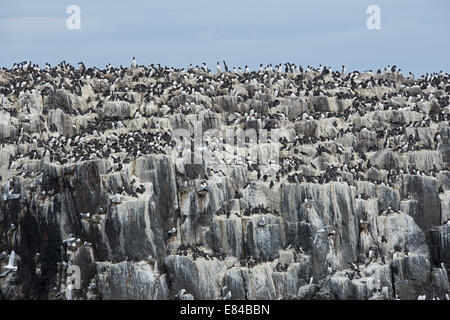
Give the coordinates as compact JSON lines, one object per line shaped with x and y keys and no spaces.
{"x":309,"y":184}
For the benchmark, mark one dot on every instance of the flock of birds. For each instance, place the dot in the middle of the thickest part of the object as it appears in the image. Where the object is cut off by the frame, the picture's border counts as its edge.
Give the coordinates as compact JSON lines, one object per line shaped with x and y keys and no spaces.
{"x":164,"y":83}
{"x":118,"y":140}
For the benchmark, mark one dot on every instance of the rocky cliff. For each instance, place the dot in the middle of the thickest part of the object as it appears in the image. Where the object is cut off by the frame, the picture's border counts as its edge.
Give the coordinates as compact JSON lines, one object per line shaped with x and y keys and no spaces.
{"x":159,"y":183}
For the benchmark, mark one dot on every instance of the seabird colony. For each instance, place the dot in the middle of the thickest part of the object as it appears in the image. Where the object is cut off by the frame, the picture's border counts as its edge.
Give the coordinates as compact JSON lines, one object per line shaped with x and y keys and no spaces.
{"x":363,"y":161}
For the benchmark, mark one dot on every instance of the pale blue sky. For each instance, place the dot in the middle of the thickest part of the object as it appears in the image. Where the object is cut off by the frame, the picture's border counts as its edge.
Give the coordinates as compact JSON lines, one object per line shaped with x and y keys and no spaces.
{"x":415,"y":35}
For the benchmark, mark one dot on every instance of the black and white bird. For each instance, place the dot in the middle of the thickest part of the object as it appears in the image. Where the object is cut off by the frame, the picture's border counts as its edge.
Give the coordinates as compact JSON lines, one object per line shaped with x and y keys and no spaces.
{"x":227,"y":296}
{"x":85,"y":215}
{"x":262,"y":222}
{"x":8,"y":194}
{"x":203,"y":188}
{"x":112,"y":88}
{"x":225,"y":66}
{"x":179,"y":294}
{"x":354,"y":266}
{"x":11,"y":264}
{"x":219,"y":70}
{"x":329,"y":269}
{"x":116,"y":199}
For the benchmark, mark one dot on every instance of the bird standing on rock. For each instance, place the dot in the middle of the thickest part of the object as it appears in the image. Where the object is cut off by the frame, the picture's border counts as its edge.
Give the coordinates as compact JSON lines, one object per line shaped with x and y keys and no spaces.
{"x":219,"y":70}
{"x":262,"y":222}
{"x":225,"y":66}
{"x":227,"y":296}
{"x":105,"y":137}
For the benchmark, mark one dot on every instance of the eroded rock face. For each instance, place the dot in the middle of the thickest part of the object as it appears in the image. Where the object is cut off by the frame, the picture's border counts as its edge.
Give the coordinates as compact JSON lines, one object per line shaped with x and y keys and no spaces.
{"x":100,"y":198}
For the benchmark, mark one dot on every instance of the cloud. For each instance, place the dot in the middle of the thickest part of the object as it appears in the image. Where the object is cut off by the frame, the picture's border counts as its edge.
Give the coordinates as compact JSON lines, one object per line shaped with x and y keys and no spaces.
{"x":330,"y":32}
{"x":32,"y":24}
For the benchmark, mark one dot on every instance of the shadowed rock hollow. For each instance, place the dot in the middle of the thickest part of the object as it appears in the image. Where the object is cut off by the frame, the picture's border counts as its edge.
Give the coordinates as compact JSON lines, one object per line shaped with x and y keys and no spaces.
{"x":355,"y":205}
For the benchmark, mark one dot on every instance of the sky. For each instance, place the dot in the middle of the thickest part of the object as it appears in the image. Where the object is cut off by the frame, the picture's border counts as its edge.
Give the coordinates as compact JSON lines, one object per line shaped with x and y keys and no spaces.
{"x":414,"y":35}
